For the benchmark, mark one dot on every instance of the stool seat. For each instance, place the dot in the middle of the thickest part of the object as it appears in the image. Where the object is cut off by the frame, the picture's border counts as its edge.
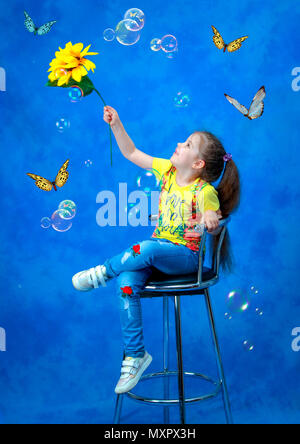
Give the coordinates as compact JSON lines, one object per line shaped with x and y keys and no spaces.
{"x":158,"y":278}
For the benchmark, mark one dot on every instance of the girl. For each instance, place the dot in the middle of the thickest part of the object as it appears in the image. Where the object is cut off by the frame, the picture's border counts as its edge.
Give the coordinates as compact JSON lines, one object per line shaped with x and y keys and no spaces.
{"x":186,"y":200}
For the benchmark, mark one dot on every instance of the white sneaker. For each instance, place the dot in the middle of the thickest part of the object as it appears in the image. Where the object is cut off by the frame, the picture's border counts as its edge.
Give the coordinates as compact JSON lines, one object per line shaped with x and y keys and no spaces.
{"x":88,"y":279}
{"x":131,"y":372}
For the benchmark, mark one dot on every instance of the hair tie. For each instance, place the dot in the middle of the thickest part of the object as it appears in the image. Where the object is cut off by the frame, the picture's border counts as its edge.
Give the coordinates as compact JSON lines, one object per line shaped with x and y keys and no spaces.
{"x":227,"y":157}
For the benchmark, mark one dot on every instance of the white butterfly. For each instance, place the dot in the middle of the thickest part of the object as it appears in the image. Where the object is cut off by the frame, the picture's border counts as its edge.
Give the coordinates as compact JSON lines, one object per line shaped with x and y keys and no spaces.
{"x":30,"y":26}
{"x":257,"y":105}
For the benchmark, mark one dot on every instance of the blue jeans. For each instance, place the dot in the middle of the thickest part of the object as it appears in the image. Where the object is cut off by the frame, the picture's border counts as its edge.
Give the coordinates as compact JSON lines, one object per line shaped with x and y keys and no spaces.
{"x":132,"y":268}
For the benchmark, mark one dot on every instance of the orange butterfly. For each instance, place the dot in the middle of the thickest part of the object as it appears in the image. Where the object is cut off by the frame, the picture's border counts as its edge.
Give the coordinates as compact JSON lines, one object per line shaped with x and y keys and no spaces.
{"x":46,"y":185}
{"x":219,"y":42}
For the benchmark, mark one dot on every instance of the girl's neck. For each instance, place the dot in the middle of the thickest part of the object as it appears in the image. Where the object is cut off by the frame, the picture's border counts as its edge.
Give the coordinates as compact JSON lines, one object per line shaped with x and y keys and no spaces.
{"x":184,"y":178}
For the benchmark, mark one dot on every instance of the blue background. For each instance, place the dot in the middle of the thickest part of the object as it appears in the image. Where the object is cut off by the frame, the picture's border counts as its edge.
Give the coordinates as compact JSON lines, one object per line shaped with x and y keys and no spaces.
{"x":64,"y":348}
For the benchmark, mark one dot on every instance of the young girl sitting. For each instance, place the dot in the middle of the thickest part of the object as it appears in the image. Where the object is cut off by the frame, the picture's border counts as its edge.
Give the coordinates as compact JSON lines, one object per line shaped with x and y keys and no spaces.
{"x":187,"y":200}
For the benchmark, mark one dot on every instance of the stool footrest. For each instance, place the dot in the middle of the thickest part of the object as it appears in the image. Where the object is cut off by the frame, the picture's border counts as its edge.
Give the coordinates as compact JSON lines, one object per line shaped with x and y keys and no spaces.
{"x":139,"y":398}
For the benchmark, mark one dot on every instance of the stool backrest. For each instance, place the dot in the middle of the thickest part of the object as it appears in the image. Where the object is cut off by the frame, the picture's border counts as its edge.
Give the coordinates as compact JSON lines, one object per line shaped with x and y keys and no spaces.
{"x":215,"y":265}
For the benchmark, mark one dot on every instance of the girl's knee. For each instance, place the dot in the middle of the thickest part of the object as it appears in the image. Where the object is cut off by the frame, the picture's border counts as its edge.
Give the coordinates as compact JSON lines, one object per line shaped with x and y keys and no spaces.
{"x":130,"y":283}
{"x":147,"y":250}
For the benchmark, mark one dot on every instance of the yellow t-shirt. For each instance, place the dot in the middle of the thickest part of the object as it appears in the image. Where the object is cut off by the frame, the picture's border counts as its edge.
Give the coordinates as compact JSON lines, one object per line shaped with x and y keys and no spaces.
{"x":181,"y":209}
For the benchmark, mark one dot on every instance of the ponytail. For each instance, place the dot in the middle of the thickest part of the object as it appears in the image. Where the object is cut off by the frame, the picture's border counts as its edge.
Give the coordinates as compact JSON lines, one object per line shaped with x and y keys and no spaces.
{"x":228,"y":190}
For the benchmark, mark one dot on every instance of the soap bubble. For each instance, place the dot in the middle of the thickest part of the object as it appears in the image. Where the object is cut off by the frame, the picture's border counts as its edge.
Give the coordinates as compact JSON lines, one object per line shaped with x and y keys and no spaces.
{"x":254,"y":290}
{"x":88,"y":163}
{"x":134,"y":214}
{"x":68,"y":208}
{"x":130,"y":205}
{"x":75,"y":93}
{"x":169,"y":43}
{"x":147,"y":182}
{"x":248,"y":346}
{"x":170,"y":55}
{"x":137,"y":19}
{"x":45,"y":222}
{"x":60,"y":72}
{"x":59,"y":222}
{"x":259,"y":311}
{"x":124,"y":35}
{"x":155,"y":44}
{"x":65,"y":213}
{"x":62,"y":124}
{"x":228,"y":316}
{"x":237,"y":301}
{"x":199,"y":228}
{"x":109,"y":34}
{"x":181,"y":100}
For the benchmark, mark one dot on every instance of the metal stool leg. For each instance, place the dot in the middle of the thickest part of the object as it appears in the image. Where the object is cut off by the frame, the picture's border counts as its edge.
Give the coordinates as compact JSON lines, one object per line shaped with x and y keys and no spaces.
{"x":166,"y":356}
{"x":118,"y":409}
{"x":218,"y":357}
{"x":179,"y":359}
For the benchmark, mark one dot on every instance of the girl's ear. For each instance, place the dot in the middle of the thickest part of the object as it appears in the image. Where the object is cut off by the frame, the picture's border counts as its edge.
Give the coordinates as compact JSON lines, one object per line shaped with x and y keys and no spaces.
{"x":198,"y":164}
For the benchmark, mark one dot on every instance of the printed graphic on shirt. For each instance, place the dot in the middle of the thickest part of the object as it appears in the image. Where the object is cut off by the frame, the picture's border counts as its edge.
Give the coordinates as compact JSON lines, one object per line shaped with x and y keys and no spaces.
{"x":181,"y":209}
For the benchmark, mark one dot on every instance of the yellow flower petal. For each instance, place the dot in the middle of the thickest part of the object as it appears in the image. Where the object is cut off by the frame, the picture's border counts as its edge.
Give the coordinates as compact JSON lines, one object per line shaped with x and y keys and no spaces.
{"x":64,"y":79}
{"x":69,"y":45}
{"x":69,"y":76}
{"x":76,"y":74}
{"x":84,"y":52}
{"x":73,"y":64}
{"x":52,"y":77}
{"x":77,"y":48}
{"x":83,"y":71}
{"x":56,"y":62}
{"x":88,"y":64}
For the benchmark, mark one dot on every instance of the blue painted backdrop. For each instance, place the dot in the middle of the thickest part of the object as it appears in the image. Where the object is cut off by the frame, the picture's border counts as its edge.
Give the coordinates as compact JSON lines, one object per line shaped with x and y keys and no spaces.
{"x":64,"y":350}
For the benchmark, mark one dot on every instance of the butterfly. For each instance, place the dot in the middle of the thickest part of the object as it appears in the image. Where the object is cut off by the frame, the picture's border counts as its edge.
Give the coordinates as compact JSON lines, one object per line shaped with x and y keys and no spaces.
{"x":219,"y":42}
{"x":46,"y":185}
{"x":30,"y":26}
{"x":257,"y":105}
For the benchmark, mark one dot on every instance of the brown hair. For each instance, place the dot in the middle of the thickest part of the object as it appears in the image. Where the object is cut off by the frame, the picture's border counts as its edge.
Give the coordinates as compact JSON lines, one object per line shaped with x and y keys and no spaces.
{"x":212,"y":153}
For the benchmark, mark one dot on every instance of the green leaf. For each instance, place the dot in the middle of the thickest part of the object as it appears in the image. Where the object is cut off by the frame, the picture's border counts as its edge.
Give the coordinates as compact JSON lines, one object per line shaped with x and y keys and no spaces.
{"x":85,"y":84}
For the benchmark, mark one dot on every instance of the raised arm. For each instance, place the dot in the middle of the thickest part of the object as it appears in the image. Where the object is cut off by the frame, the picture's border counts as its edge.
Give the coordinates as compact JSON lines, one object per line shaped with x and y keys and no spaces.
{"x":124,"y":142}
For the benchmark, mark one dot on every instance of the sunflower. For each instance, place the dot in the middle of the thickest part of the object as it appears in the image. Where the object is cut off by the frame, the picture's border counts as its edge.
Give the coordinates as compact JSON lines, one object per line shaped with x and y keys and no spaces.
{"x":70,"y":62}
{"x":70,"y":68}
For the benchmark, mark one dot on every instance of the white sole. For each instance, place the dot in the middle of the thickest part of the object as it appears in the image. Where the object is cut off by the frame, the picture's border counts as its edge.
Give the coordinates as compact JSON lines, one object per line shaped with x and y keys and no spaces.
{"x":133,"y":382}
{"x":76,"y":284}
{"x":95,"y":279}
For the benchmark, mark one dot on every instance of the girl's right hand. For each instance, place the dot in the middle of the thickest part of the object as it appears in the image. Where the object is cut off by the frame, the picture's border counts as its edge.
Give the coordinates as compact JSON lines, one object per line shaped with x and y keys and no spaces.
{"x":110,"y":115}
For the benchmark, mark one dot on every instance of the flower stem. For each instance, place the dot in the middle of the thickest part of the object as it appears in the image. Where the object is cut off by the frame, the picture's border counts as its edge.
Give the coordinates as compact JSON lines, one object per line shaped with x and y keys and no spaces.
{"x":110,"y":137}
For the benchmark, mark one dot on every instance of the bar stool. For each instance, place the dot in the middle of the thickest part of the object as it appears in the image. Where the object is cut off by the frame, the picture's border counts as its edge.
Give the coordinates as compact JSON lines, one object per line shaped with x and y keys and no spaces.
{"x":162,"y":285}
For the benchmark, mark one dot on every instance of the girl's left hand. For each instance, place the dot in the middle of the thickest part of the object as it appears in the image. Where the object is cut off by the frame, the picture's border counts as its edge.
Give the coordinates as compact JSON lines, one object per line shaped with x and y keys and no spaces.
{"x":211,"y":220}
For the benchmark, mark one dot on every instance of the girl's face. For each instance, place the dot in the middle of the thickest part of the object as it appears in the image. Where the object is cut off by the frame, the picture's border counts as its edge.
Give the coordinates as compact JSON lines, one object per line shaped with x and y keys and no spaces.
{"x":187,"y":154}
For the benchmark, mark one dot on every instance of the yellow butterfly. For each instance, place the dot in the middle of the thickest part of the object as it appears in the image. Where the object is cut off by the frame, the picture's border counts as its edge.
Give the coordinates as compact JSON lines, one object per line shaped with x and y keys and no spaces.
{"x":46,"y":185}
{"x":257,"y":105}
{"x":219,"y":42}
